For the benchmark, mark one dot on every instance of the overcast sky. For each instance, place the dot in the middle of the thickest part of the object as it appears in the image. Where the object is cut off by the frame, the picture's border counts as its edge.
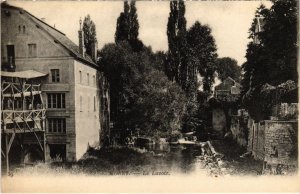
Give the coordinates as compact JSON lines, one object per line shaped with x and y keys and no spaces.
{"x":229,"y":20}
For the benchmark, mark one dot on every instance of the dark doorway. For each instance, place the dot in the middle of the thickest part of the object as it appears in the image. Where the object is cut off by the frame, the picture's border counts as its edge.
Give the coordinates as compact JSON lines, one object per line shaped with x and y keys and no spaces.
{"x":11,"y":55}
{"x":58,"y":151}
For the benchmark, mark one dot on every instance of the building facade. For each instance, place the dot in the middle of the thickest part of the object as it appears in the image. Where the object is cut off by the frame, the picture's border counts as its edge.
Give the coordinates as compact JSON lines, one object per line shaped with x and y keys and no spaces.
{"x":71,"y":88}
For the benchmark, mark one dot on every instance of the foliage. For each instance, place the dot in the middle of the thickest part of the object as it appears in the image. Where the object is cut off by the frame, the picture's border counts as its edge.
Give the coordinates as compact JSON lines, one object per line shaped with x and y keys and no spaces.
{"x":171,"y":67}
{"x":273,"y":58}
{"x":141,"y":95}
{"x":202,"y":52}
{"x":228,"y":67}
{"x":128,"y":26}
{"x":89,"y":32}
{"x":177,"y":63}
{"x":279,"y":41}
{"x":265,"y":97}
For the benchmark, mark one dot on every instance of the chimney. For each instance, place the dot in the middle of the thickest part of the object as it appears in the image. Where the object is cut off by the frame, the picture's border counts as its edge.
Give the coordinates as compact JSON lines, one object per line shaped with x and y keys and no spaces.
{"x":94,"y":51}
{"x":80,"y":37}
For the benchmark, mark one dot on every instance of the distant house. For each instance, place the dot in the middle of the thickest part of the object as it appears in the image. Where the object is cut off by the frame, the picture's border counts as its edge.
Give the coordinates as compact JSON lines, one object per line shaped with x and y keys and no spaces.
{"x":223,"y":105}
{"x":229,"y":87}
{"x":74,"y":91}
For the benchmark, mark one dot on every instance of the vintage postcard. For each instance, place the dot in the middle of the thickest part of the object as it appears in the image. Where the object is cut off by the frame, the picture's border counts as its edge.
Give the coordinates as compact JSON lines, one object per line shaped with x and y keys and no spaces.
{"x":149,"y":96}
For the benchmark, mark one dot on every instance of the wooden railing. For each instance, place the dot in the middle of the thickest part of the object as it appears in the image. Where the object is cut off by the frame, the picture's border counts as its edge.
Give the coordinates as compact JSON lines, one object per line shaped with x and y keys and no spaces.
{"x":10,"y":116}
{"x":9,"y":87}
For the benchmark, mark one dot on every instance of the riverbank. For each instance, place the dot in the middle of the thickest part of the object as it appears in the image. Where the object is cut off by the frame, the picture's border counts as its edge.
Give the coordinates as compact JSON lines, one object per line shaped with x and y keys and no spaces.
{"x":120,"y":161}
{"x":213,"y":158}
{"x":232,"y":162}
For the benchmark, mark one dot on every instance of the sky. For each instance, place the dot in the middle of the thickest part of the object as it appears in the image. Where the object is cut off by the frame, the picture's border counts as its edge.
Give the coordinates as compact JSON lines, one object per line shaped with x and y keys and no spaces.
{"x":229,"y":20}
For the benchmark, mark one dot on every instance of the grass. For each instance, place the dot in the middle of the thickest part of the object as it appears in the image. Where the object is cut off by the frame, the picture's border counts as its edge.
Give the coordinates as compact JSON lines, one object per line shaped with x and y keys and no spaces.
{"x":108,"y":161}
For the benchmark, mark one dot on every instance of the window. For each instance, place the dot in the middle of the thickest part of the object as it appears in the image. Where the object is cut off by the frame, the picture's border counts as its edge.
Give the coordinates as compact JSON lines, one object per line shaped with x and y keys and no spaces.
{"x":56,"y":125}
{"x":94,"y":104}
{"x":19,"y":29}
{"x":32,"y":50}
{"x":80,"y":77}
{"x":24,"y":29}
{"x":88,"y":79}
{"x":80,"y":103}
{"x":55,"y":75}
{"x":94,"y":80}
{"x":56,"y":100}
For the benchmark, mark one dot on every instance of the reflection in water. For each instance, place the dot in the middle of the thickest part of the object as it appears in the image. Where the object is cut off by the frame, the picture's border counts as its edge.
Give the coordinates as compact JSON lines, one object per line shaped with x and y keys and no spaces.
{"x":176,"y":158}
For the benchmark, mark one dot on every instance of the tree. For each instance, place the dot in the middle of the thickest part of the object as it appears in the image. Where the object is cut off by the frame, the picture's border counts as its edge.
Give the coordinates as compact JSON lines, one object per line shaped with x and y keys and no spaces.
{"x":141,"y":95}
{"x":254,"y":55}
{"x":122,"y":30}
{"x":279,"y":40}
{"x":228,"y":67}
{"x":177,"y":63}
{"x":272,"y":53}
{"x":89,"y":31}
{"x":202,"y":53}
{"x":172,"y":67}
{"x":111,"y":62}
{"x":128,"y":27}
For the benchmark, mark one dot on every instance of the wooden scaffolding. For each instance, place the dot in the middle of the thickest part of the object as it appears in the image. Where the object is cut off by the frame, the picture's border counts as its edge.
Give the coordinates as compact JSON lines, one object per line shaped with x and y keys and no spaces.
{"x":22,"y":110}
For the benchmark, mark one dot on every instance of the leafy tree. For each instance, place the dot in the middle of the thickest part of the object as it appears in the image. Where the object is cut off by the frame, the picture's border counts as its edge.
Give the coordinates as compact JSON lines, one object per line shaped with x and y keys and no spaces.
{"x":228,"y":67}
{"x":89,"y":32}
{"x":122,"y":30}
{"x":128,"y":27}
{"x":172,"y":67}
{"x":202,"y":53}
{"x":177,"y":63}
{"x":254,"y":54}
{"x":279,"y":40}
{"x":141,"y":95}
{"x":112,"y":66}
{"x":272,"y":54}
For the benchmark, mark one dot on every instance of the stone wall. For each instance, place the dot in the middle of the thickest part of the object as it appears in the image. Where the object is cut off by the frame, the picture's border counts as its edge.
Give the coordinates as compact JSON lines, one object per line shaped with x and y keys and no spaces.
{"x":256,"y":139}
{"x":274,"y":142}
{"x":281,"y":142}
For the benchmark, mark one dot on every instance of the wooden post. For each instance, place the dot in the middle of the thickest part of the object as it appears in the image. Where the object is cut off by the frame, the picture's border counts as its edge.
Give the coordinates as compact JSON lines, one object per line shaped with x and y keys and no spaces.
{"x":7,"y":153}
{"x":44,"y":131}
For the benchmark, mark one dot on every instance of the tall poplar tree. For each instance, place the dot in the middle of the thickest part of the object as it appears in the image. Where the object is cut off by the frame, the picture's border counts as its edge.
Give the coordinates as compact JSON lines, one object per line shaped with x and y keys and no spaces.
{"x":122,"y":30}
{"x":89,"y":31}
{"x":172,"y":67}
{"x":128,"y":26}
{"x":177,"y":67}
{"x":182,"y":46}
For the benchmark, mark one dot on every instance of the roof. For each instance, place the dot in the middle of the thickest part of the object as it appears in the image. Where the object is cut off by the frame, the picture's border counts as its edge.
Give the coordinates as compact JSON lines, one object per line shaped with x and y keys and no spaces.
{"x":225,"y":86}
{"x":23,"y":74}
{"x":58,"y":36}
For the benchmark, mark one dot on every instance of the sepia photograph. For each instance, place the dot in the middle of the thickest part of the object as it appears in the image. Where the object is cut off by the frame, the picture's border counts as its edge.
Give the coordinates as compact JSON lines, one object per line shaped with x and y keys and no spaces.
{"x":152,"y":96}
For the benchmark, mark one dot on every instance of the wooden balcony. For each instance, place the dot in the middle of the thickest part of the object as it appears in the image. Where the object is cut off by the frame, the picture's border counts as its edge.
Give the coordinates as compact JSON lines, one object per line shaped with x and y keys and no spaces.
{"x":11,"y":116}
{"x":10,"y":89}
